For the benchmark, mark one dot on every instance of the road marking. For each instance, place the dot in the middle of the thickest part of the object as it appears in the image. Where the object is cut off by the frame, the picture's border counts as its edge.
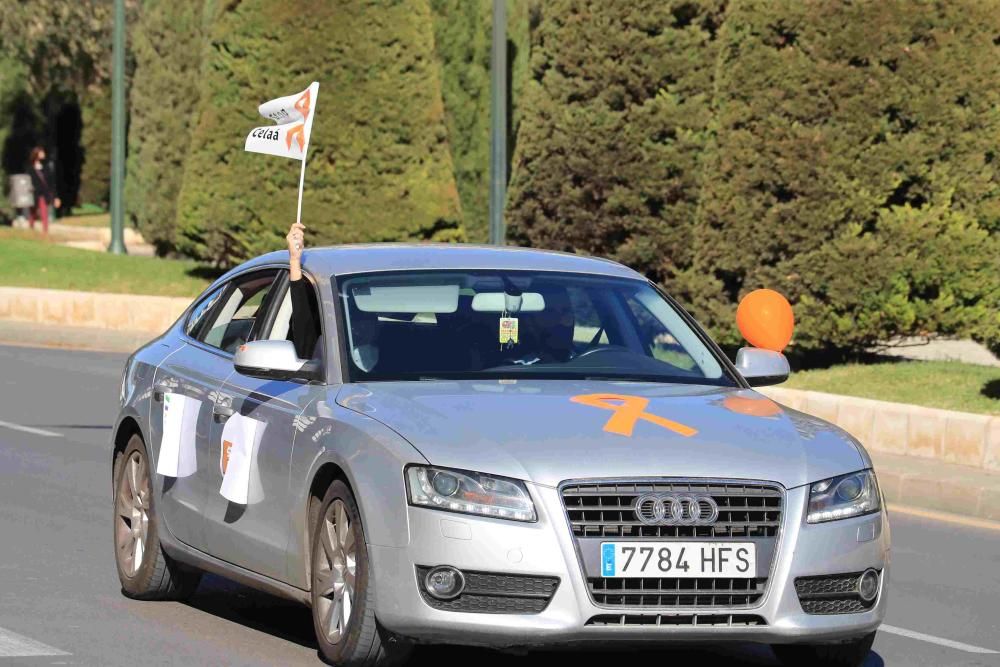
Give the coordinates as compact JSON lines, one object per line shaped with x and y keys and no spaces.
{"x":940,"y":641}
{"x":13,"y":645}
{"x":945,"y":517}
{"x":31,"y":429}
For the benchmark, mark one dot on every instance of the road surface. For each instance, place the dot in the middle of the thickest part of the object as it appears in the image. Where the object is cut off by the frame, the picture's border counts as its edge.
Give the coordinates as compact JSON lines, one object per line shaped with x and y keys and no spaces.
{"x":60,"y":602}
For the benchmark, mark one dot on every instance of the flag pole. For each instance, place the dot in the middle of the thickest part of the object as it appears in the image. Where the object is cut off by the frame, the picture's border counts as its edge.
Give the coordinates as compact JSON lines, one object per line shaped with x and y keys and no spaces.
{"x":302,"y":179}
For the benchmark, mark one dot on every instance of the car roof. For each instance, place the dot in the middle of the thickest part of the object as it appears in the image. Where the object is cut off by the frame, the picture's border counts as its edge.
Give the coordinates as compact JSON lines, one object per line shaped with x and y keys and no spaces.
{"x":366,"y":258}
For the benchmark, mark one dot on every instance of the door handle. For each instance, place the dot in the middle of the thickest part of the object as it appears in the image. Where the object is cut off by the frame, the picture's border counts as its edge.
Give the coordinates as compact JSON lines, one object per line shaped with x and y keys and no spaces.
{"x":221,"y":413}
{"x":158,"y":391}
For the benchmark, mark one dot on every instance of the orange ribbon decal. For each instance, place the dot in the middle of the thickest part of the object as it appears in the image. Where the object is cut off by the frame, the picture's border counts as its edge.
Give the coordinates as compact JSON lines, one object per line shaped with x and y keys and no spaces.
{"x":627,"y":411}
{"x":226,"y":448}
{"x":299,"y":131}
{"x":302,"y":104}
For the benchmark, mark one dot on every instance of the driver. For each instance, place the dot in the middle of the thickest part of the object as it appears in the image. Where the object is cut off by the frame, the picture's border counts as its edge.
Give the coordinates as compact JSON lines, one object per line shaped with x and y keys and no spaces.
{"x":548,"y":334}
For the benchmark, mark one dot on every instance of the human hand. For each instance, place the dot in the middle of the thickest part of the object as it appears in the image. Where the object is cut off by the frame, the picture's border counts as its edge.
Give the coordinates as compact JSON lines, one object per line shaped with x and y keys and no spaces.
{"x":296,"y":240}
{"x":296,"y":244}
{"x":58,"y":202}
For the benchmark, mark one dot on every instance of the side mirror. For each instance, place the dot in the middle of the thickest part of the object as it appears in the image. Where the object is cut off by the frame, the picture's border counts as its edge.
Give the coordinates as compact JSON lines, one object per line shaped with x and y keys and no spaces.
{"x":274,"y":360}
{"x":762,"y":367}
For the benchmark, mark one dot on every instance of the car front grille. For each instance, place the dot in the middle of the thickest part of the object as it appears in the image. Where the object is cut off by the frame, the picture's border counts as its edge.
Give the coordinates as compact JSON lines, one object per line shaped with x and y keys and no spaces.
{"x":699,"y":620}
{"x":495,"y":593}
{"x":607,"y":509}
{"x":673,"y":592}
{"x":831,"y":594}
{"x":604,"y":509}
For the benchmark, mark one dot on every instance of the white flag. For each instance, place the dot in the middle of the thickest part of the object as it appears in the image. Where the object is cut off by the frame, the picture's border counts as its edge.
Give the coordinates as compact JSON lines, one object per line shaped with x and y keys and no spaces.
{"x":177,"y":448}
{"x":294,"y":117}
{"x":240,"y":439}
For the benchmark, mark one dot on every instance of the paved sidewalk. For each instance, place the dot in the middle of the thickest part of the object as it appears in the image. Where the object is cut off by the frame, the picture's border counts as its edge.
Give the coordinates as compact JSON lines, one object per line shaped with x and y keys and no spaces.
{"x":30,"y":334}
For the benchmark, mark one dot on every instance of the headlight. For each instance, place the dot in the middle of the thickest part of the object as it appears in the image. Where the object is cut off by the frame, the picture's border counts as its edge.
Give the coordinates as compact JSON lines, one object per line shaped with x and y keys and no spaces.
{"x":843,"y":497}
{"x":470,"y":493}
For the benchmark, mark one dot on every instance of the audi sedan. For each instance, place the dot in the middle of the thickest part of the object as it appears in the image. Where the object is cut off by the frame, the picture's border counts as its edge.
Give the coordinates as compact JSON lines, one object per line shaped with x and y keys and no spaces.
{"x":497,"y":447}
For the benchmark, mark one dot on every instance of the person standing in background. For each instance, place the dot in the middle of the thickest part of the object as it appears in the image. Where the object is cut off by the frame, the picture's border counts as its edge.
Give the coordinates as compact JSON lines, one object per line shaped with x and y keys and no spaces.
{"x":43,"y":181}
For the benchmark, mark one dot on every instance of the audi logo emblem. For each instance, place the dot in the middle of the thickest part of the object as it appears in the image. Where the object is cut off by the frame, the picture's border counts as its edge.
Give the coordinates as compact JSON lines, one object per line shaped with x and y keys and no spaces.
{"x":673,"y":509}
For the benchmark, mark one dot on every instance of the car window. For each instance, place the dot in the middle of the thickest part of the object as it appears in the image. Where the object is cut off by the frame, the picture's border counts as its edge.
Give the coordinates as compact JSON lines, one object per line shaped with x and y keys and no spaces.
{"x":233,"y":322}
{"x":284,"y":324}
{"x":657,"y":339}
{"x":201,"y":310}
{"x":510,"y":324}
{"x":588,"y":328}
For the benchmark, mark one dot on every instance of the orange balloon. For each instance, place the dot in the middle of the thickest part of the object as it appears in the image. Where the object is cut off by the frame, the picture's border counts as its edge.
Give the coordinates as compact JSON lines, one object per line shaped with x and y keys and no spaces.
{"x":765,"y":319}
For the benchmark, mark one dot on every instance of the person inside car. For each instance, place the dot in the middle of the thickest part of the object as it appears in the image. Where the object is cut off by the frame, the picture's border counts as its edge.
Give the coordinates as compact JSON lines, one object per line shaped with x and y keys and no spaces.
{"x":304,"y":329}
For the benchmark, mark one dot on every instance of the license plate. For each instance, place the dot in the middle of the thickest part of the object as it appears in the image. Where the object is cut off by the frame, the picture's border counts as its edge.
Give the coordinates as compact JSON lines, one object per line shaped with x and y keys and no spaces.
{"x":683,"y":560}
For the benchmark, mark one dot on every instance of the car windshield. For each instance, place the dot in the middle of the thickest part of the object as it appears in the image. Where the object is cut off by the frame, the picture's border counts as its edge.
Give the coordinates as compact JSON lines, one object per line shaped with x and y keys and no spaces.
{"x":518,"y":324}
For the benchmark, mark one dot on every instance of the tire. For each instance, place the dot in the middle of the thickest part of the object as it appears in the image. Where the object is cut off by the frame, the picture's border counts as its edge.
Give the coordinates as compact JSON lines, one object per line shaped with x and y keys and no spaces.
{"x":847,"y":654}
{"x":343,"y":600}
{"x":145,"y":572}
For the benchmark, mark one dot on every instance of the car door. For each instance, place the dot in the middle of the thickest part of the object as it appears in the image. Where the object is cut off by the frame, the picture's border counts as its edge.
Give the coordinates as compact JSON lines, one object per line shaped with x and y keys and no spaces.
{"x":194,"y":375}
{"x":255,"y":535}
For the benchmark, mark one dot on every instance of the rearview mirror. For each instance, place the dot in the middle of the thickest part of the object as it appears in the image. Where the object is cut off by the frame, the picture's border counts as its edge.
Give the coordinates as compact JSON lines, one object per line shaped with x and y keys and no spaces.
{"x":762,"y":367}
{"x":274,"y":360}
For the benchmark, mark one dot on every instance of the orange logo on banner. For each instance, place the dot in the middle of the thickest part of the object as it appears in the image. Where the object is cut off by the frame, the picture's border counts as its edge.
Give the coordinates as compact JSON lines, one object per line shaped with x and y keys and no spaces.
{"x":627,"y":411}
{"x":302,"y":104}
{"x":299,"y":131}
{"x":226,"y":446}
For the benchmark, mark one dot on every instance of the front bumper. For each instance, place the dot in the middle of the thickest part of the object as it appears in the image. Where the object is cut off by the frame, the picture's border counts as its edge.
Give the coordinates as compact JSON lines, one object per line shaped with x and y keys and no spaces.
{"x":547,"y":549}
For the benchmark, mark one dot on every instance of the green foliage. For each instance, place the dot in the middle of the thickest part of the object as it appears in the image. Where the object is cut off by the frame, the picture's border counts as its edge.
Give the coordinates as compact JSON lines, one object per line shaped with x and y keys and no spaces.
{"x":853,"y":168}
{"x":14,"y":102}
{"x":26,"y":260}
{"x":168,"y":43}
{"x":95,"y":140}
{"x":914,"y":382}
{"x":63,"y":44}
{"x":379,"y":165}
{"x":463,"y":36}
{"x":615,"y":117}
{"x":462,"y":43}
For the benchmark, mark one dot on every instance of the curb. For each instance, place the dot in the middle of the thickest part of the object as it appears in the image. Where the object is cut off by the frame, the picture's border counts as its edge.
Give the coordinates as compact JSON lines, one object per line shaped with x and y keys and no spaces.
{"x":115,"y":312}
{"x":946,"y":436}
{"x":935,"y":487}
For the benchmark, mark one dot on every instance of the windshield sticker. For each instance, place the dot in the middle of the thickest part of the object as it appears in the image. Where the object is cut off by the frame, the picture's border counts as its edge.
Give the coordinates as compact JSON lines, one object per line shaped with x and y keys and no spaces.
{"x":508,"y":331}
{"x":627,"y":410}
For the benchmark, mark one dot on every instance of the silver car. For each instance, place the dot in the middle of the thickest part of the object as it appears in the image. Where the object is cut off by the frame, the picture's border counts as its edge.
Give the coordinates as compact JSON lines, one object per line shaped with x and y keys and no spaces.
{"x":496,"y":447}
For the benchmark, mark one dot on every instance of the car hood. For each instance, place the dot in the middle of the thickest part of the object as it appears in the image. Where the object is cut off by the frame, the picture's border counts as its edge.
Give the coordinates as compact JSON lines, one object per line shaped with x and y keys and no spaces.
{"x":547,"y":431}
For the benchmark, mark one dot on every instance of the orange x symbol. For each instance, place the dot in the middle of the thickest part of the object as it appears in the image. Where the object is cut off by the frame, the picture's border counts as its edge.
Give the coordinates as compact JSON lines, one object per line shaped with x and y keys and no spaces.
{"x":627,"y":411}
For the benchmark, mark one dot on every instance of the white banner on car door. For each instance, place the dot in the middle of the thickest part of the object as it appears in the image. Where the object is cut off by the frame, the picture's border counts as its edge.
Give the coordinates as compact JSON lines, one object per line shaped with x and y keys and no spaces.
{"x":177,"y":445}
{"x":240,"y":438}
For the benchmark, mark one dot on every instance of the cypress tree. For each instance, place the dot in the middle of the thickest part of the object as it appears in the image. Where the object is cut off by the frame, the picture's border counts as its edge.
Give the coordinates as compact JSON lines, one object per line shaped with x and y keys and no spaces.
{"x":168,"y":44}
{"x":95,"y":140}
{"x":615,"y":117}
{"x":379,"y":164}
{"x":462,"y":44}
{"x":854,"y":168}
{"x":463,"y":32}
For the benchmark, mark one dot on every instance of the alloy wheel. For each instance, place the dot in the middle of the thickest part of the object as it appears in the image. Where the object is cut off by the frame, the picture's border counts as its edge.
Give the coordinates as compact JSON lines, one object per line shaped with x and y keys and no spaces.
{"x":132,"y":511}
{"x":336,"y":571}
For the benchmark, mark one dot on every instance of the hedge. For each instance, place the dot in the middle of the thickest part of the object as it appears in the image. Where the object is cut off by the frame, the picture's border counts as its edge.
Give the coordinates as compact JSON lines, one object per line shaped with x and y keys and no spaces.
{"x":379,"y":162}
